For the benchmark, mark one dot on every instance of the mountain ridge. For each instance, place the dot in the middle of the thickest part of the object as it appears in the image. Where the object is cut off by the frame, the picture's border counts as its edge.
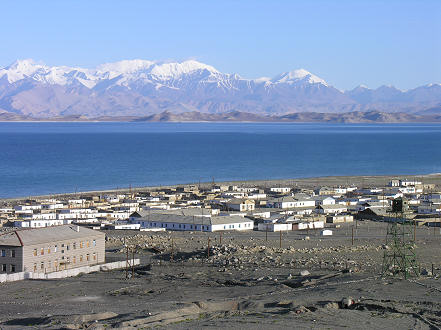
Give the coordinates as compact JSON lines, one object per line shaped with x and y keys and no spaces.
{"x":237,"y":116}
{"x":137,"y":88}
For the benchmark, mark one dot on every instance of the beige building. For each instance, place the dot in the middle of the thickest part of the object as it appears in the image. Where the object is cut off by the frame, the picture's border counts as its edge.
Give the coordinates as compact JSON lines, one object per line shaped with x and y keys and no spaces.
{"x":242,"y":205}
{"x":50,"y":249}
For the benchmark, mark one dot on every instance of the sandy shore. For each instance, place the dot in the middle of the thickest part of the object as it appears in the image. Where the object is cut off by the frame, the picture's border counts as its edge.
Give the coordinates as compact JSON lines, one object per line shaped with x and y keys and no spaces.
{"x":307,"y":183}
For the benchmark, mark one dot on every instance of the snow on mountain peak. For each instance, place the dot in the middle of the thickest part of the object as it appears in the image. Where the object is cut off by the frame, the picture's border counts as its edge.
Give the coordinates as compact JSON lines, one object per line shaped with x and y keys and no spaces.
{"x":173,"y":69}
{"x":299,"y":75}
{"x":21,"y":69}
{"x":125,"y":66}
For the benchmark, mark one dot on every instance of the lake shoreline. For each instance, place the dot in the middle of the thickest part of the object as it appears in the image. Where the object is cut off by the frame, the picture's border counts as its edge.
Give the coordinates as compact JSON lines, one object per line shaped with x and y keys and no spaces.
{"x":305,"y":183}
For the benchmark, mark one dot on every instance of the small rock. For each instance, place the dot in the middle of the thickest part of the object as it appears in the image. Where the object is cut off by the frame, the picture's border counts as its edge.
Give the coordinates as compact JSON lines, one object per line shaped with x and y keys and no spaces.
{"x":346,"y":302}
{"x":305,"y":273}
{"x":332,"y":305}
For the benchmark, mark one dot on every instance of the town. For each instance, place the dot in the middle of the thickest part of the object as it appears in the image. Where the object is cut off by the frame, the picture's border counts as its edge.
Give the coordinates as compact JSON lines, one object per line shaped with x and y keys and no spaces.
{"x":304,"y":249}
{"x":211,"y":208}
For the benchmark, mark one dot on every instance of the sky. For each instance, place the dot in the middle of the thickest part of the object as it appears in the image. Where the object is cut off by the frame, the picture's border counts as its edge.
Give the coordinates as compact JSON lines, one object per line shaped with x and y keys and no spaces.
{"x":347,"y":43}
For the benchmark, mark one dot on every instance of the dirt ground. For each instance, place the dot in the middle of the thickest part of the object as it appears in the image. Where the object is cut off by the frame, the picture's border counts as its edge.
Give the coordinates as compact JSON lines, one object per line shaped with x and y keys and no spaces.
{"x":239,"y":281}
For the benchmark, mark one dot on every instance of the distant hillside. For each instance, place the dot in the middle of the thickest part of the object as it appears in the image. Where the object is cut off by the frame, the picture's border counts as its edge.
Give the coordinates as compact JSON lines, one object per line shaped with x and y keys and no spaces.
{"x":237,"y":116}
{"x":302,"y":117}
{"x":142,"y":88}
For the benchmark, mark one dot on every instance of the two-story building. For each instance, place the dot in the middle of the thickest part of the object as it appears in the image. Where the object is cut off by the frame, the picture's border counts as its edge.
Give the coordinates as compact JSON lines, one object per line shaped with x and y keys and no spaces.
{"x":50,"y":249}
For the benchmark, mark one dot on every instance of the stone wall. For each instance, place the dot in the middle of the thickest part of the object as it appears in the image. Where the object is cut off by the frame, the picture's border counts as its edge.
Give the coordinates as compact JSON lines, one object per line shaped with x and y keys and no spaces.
{"x":66,"y":273}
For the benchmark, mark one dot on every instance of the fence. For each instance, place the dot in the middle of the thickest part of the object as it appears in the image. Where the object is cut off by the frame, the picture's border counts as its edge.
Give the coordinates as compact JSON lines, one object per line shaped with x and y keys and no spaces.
{"x":68,"y":272}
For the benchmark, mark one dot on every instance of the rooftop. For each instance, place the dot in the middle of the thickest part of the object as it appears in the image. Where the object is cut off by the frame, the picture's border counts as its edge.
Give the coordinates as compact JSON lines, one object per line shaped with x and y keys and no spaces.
{"x":34,"y":236}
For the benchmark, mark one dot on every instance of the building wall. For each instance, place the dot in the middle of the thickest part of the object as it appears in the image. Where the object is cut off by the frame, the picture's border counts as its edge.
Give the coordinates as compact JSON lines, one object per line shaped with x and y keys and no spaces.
{"x":195,"y":227}
{"x":9,"y":260}
{"x":274,"y":227}
{"x":234,"y":226}
{"x":63,"y":254}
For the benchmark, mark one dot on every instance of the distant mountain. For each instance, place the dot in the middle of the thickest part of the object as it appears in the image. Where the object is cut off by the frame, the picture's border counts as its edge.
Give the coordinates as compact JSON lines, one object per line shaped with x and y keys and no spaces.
{"x":237,"y":116}
{"x":141,"y":88}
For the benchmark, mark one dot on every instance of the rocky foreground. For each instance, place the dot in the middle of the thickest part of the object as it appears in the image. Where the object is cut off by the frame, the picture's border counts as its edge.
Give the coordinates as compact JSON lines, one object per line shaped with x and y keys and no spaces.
{"x":239,"y":280}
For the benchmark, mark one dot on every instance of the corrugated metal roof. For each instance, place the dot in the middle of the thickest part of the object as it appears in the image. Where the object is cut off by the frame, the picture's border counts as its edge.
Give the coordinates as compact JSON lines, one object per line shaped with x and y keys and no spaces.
{"x":46,"y":235}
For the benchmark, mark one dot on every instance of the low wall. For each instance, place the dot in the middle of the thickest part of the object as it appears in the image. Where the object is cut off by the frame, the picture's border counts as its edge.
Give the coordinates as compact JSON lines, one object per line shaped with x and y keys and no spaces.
{"x":66,"y":273}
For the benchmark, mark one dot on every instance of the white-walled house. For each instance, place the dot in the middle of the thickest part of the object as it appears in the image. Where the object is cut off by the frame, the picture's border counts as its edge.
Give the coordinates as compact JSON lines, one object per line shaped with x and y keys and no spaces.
{"x":323,"y":200}
{"x":193,"y":223}
{"x":241,"y":205}
{"x":281,"y":190}
{"x":38,"y":223}
{"x":331,"y":209}
{"x":273,"y":227}
{"x":28,"y":207}
{"x":308,"y":225}
{"x":290,"y":202}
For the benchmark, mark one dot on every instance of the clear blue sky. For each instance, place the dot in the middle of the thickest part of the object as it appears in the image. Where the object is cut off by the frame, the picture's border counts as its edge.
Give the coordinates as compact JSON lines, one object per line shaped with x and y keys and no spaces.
{"x":345,"y":42}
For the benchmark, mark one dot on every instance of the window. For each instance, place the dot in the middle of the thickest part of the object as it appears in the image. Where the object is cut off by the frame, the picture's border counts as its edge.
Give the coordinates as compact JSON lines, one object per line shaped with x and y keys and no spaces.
{"x":74,"y":259}
{"x":94,"y":256}
{"x":56,"y":264}
{"x":35,"y":267}
{"x":42,"y":265}
{"x":35,"y":252}
{"x":87,"y":257}
{"x":42,"y":251}
{"x":12,"y":268}
{"x":49,"y":264}
{"x":49,"y":250}
{"x":12,"y":253}
{"x":74,"y":245}
{"x":3,"y":253}
{"x":94,"y":242}
{"x":88,"y":244}
{"x":4,"y":268}
{"x":67,"y":247}
{"x":81,"y":245}
{"x":81,"y":258}
{"x":55,"y":248}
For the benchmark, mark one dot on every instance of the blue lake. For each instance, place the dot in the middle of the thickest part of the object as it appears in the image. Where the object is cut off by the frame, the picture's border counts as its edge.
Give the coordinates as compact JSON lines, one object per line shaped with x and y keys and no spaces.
{"x":44,"y":158}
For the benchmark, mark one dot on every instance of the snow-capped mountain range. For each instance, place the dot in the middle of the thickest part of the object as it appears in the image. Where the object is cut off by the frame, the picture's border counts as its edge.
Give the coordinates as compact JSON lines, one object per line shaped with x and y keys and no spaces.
{"x":142,"y":87}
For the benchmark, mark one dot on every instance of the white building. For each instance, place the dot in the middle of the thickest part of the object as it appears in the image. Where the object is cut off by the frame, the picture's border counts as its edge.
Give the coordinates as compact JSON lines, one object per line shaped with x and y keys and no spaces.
{"x":273,"y":227}
{"x":27,"y":207}
{"x":37,"y":223}
{"x":323,"y":200}
{"x":291,"y":202}
{"x":193,"y":223}
{"x":242,"y":205}
{"x":331,"y":209}
{"x":308,"y":225}
{"x":281,"y":190}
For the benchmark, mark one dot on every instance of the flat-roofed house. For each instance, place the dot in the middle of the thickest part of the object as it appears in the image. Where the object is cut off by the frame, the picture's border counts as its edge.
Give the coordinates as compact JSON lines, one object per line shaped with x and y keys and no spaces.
{"x":331,"y":209}
{"x":50,"y":249}
{"x":241,"y":204}
{"x":194,"y":223}
{"x":291,"y":202}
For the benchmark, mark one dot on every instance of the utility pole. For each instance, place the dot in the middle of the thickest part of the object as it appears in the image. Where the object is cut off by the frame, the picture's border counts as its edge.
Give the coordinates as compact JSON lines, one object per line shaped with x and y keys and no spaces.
{"x":208,"y":247}
{"x":280,"y":241}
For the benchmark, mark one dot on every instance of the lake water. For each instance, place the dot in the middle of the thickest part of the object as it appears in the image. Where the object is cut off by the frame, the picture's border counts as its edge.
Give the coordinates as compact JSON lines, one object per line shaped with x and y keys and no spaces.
{"x":45,"y":158}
